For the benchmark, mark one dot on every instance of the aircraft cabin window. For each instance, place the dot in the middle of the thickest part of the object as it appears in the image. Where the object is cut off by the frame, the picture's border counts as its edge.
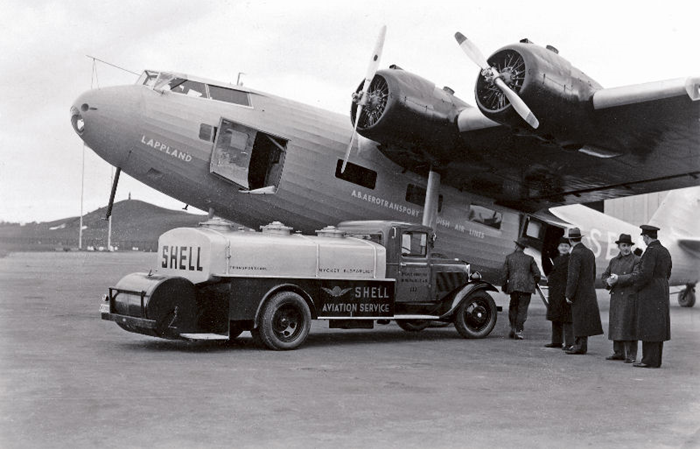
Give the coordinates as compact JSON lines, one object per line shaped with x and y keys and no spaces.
{"x":414,"y":244}
{"x":229,"y":95}
{"x":485,"y":216}
{"x":206,"y":132}
{"x":416,"y":195}
{"x":356,"y":174}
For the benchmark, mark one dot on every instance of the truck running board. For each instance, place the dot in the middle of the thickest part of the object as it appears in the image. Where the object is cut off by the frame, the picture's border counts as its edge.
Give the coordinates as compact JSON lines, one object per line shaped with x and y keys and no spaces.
{"x":204,"y":337}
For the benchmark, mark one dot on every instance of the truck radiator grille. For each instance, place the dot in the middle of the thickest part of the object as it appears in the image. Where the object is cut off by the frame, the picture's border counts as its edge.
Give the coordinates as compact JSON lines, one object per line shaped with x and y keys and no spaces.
{"x":446,"y":282}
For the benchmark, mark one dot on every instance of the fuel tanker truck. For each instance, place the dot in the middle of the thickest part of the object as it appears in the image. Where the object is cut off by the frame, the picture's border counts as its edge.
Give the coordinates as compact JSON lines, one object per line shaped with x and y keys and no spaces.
{"x":213,"y":282}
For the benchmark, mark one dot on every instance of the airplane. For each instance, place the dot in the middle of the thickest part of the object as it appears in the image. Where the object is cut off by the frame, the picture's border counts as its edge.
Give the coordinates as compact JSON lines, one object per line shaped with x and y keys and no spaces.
{"x":543,"y":134}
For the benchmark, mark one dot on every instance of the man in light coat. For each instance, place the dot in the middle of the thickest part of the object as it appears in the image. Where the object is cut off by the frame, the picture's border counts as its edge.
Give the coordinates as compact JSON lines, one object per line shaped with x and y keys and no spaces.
{"x":653,"y":314}
{"x":520,"y":275}
{"x":580,"y":293}
{"x":618,"y":278}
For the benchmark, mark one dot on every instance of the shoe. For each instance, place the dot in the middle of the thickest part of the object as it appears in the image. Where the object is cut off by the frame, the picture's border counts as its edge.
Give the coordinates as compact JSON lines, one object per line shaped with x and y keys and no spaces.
{"x":552,"y":345}
{"x":643,"y":365}
{"x":615,"y":357}
{"x":629,"y":360}
{"x":568,"y":348}
{"x":511,"y":334}
{"x":519,"y":336}
{"x":576,"y":352}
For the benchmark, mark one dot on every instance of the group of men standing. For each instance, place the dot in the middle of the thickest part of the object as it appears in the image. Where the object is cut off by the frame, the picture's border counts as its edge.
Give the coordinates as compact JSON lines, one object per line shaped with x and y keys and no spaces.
{"x":639,"y":296}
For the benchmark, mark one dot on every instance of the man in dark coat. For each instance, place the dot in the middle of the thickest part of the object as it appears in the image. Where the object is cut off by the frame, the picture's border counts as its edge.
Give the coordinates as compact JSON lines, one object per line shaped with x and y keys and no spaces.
{"x":559,"y":311}
{"x":520,"y":275}
{"x":653,"y":314}
{"x":580,"y":293}
{"x":618,"y":279}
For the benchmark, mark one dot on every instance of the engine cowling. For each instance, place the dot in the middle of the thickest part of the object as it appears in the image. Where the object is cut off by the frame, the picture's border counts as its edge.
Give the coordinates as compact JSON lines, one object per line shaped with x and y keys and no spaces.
{"x":407,"y":113}
{"x":557,"y":93}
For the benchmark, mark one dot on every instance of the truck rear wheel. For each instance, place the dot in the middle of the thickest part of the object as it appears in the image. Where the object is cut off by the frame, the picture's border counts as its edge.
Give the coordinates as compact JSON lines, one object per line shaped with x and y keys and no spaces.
{"x":413,"y":325}
{"x":285,"y":321}
{"x":476,"y":316}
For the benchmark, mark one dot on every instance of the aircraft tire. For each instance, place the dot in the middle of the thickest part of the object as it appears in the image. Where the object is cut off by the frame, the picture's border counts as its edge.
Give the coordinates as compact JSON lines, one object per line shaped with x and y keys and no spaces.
{"x":476,"y":316}
{"x":686,"y":297}
{"x":413,"y":325}
{"x":285,"y":321}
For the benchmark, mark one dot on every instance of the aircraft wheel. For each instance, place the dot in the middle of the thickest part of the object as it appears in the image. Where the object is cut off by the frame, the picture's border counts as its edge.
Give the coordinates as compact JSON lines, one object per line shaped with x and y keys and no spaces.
{"x":285,"y":321}
{"x":413,"y":325}
{"x":476,"y":316}
{"x":686,"y":298}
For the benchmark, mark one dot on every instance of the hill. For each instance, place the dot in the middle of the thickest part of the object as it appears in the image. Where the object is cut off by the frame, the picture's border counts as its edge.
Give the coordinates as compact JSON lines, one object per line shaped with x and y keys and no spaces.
{"x":135,"y":224}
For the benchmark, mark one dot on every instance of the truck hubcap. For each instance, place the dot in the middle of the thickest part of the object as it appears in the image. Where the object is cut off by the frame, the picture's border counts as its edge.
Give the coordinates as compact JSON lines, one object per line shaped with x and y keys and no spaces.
{"x":286,"y":322}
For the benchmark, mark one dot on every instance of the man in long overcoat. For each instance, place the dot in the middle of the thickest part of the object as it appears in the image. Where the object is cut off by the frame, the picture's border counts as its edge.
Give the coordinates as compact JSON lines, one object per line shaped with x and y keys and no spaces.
{"x":580,"y":293}
{"x":618,"y":278}
{"x":653,"y":314}
{"x":559,"y":311}
{"x":519,"y":275}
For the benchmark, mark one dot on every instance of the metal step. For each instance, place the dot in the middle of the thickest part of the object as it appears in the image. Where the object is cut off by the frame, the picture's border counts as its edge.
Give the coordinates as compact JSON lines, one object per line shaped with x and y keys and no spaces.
{"x":204,"y":337}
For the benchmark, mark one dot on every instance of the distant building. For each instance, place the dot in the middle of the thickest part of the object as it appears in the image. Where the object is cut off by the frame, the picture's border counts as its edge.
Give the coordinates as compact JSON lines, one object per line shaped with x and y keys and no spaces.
{"x":636,"y":209}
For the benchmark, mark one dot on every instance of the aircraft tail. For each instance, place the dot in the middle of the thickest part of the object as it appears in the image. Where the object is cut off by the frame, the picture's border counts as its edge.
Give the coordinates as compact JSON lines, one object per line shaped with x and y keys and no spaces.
{"x":679,"y":215}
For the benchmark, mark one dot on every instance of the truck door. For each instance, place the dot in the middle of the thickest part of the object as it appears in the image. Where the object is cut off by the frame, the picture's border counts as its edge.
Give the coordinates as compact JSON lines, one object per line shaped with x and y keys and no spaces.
{"x":413,"y":280}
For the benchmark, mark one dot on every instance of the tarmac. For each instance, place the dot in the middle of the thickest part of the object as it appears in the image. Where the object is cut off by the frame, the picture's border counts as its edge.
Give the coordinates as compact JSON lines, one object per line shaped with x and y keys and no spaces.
{"x":70,"y":380}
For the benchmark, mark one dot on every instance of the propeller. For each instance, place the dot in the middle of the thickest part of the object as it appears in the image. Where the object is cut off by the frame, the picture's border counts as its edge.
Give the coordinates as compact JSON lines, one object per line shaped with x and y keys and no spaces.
{"x":361,"y":99}
{"x":492,"y":75}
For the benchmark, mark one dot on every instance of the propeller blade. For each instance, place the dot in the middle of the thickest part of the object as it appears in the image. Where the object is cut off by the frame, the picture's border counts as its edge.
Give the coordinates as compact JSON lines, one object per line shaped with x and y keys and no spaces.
{"x":376,"y":57}
{"x":352,"y":139}
{"x":518,"y":104}
{"x":472,"y":51}
{"x":475,"y":55}
{"x":371,"y":71}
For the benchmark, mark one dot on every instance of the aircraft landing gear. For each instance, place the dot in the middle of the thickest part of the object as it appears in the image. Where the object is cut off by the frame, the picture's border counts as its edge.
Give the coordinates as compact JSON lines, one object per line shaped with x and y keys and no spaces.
{"x":686,"y":297}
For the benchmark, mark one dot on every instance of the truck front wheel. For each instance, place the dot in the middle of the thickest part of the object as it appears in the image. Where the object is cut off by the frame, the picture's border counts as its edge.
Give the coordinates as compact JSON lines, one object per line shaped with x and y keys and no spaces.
{"x":285,"y":321}
{"x":476,"y":316}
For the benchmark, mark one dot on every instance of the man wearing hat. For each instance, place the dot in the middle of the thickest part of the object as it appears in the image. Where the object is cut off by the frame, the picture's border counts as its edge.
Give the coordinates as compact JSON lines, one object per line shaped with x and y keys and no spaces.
{"x":580,"y":293}
{"x":559,"y":311}
{"x":520,"y":275}
{"x":618,"y":279}
{"x":653,"y":314}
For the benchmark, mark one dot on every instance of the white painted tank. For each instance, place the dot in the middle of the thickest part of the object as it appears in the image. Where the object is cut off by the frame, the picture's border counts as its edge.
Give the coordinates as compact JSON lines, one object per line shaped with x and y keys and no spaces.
{"x":206,"y":253}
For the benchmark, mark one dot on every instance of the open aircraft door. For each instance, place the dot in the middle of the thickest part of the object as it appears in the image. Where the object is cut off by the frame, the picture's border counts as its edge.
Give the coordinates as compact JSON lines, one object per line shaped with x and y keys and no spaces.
{"x":543,"y":231}
{"x":248,"y":157}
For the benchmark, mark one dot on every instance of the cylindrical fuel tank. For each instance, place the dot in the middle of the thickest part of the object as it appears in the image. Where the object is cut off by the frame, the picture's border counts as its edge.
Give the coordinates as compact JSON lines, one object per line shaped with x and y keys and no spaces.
{"x":203,"y":254}
{"x":167,"y":300}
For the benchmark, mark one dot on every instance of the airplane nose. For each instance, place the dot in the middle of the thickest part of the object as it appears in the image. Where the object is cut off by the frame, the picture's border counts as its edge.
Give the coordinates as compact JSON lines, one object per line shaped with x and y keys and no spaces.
{"x":105,"y":119}
{"x":76,"y":118}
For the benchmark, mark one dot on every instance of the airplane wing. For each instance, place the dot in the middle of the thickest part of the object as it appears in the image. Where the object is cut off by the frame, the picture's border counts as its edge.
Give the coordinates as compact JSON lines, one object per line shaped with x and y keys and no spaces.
{"x":690,"y":244}
{"x":635,"y":146}
{"x":586,"y":144}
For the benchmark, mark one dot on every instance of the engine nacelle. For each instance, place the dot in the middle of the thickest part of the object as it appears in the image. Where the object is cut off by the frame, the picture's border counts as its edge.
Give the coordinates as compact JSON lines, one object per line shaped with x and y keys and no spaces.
{"x":557,"y":93}
{"x":408,"y":112}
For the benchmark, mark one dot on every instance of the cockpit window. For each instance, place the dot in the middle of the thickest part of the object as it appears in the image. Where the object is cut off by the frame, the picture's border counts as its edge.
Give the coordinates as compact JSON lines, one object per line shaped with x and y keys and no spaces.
{"x":229,"y":95}
{"x":164,"y":80}
{"x":189,"y":88}
{"x":147,"y":78}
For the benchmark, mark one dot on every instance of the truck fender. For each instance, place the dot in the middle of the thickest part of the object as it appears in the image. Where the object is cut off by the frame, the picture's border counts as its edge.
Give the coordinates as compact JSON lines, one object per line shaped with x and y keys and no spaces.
{"x":465,"y":291}
{"x":286,"y":287}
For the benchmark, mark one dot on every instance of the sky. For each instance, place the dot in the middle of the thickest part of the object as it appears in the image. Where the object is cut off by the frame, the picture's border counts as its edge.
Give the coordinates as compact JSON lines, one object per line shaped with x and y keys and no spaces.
{"x":311,"y":51}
